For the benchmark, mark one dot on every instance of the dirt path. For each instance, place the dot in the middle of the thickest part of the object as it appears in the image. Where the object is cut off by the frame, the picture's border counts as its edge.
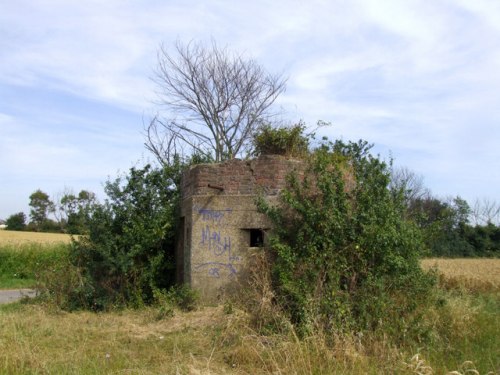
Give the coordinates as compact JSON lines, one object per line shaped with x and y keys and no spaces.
{"x":12,"y":295}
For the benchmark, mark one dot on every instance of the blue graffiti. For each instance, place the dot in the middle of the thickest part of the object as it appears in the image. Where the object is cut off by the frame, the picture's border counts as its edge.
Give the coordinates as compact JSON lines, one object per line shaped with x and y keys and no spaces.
{"x":219,"y":245}
{"x":216,"y":243}
{"x":214,"y":268}
{"x":215,"y":216}
{"x":214,"y":272}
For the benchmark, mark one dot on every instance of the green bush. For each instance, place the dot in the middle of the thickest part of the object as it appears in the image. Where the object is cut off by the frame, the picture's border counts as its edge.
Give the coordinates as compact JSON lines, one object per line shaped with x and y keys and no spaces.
{"x":129,"y":251}
{"x":63,"y":285}
{"x":181,"y":296}
{"x":344,"y":257}
{"x":16,"y":221}
{"x":484,"y":239}
{"x":287,"y":141}
{"x":447,"y":232}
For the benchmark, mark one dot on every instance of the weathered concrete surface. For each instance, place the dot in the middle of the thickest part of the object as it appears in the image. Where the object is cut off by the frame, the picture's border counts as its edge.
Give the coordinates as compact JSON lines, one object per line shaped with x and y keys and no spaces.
{"x":220,"y":242}
{"x":220,"y":220}
{"x":13,"y":295}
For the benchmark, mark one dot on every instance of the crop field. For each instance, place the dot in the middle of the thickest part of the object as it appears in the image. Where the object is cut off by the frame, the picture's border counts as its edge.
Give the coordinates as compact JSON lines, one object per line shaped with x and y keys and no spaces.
{"x":8,"y":237}
{"x":483,"y":274}
{"x":23,"y":255}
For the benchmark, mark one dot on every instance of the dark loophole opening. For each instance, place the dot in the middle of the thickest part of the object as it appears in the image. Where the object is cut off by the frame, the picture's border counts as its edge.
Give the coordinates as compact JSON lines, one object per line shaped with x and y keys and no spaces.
{"x":256,"y":237}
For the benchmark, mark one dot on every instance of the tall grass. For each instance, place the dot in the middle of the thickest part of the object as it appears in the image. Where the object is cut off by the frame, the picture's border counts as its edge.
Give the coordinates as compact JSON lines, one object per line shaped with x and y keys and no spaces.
{"x":460,"y":333}
{"x":39,"y":341}
{"x":248,"y":335}
{"x":213,"y":340}
{"x":467,"y":329}
{"x":21,"y":264}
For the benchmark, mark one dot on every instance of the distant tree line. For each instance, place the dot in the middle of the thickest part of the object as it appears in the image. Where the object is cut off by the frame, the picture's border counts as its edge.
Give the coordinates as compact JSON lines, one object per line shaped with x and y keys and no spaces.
{"x":450,"y":227}
{"x":67,"y":214}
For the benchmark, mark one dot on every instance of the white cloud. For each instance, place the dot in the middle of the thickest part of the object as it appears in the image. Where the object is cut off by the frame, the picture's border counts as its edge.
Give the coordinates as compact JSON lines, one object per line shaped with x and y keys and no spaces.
{"x":419,"y":78}
{"x":486,"y":10}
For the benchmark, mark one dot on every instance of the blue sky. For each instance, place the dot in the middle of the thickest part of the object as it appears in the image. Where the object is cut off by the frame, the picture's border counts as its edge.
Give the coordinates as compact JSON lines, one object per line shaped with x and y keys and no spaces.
{"x":419,"y":79}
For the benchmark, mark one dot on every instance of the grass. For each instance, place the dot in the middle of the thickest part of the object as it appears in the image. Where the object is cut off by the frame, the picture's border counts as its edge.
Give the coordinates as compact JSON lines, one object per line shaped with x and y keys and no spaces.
{"x":36,"y":340}
{"x":208,"y":341}
{"x":23,"y":255}
{"x":467,"y":328}
{"x":39,"y":338}
{"x":469,"y":323}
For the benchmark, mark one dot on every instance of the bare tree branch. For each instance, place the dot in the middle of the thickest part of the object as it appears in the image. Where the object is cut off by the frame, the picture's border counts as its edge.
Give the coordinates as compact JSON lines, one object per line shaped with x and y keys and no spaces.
{"x":411,"y":183}
{"x":220,"y":98}
{"x":485,"y":211}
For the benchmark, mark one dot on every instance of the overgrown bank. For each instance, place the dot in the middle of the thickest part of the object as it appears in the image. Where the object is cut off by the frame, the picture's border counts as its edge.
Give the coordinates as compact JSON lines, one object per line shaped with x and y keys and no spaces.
{"x":340,"y":277}
{"x":24,"y":265}
{"x":225,"y":340}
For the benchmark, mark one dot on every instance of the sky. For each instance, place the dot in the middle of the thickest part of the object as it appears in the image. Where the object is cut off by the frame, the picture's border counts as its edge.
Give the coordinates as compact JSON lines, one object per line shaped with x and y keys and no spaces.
{"x":419,"y":79}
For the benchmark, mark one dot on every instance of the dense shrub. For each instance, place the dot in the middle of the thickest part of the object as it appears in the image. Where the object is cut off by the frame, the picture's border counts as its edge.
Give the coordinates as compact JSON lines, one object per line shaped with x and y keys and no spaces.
{"x":16,"y":221}
{"x":344,"y":257}
{"x":483,"y":239}
{"x":129,"y":250}
{"x":447,"y":232}
{"x":287,"y":141}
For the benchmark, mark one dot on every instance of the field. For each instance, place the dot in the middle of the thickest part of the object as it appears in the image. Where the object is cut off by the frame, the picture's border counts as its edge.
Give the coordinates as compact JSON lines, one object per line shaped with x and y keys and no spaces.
{"x":39,"y":338}
{"x":482,"y":274}
{"x":23,"y":255}
{"x":8,"y":237}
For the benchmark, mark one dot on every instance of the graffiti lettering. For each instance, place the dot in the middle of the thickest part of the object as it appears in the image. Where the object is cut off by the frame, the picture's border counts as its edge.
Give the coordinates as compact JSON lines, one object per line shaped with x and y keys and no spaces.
{"x":214,"y":272}
{"x":215,"y":216}
{"x":214,"y":268}
{"x":215,"y":240}
{"x":219,"y":245}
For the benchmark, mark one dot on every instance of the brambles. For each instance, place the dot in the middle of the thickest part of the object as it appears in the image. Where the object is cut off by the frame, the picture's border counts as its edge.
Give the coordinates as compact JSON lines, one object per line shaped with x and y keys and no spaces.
{"x":344,"y":257}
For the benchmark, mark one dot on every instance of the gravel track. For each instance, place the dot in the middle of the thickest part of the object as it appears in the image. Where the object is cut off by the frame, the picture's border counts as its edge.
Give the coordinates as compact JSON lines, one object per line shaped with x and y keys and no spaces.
{"x":12,"y":295}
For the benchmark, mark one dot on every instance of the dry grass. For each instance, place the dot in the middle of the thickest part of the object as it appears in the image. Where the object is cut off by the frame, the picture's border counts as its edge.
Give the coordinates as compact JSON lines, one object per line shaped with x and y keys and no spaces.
{"x":473,"y":274}
{"x":41,"y":340}
{"x":38,"y":340}
{"x":14,"y":238}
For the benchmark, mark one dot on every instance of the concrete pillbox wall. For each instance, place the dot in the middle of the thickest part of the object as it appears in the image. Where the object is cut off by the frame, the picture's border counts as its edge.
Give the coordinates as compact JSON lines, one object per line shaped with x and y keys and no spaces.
{"x":220,"y":225}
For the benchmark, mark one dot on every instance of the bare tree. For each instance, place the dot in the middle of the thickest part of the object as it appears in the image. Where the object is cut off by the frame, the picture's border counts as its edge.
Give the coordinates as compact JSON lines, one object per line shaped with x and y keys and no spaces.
{"x":61,"y":207}
{"x":411,"y":183}
{"x":485,"y":211}
{"x":214,"y":98}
